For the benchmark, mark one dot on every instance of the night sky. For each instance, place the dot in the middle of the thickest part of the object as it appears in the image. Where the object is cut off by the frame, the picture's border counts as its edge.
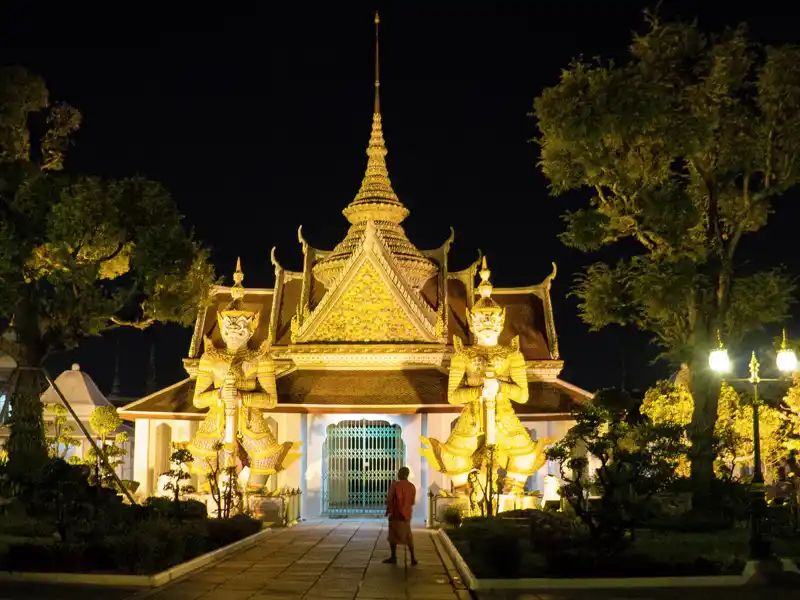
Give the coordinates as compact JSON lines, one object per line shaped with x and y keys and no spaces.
{"x":257,"y":121}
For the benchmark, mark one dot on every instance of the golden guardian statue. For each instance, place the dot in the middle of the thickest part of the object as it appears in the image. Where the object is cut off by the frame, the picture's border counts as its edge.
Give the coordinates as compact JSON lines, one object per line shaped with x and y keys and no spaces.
{"x":237,"y":385}
{"x":485,"y":379}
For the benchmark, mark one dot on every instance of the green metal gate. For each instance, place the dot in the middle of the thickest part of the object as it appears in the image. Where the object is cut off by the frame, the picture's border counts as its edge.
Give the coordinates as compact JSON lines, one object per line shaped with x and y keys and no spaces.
{"x":361,"y":459}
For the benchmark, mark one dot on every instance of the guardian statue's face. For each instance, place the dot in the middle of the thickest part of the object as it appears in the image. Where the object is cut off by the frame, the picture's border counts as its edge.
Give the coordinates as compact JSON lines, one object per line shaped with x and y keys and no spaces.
{"x":487,"y":327}
{"x":236,"y":332}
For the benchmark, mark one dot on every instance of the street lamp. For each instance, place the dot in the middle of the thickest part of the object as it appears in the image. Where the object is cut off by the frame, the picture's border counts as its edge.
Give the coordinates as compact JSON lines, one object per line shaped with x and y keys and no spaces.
{"x":787,"y":363}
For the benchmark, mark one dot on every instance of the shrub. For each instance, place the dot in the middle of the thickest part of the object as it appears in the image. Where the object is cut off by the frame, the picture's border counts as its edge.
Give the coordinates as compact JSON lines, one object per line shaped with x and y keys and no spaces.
{"x":169,"y":509}
{"x":26,"y":527}
{"x":225,"y":531}
{"x":637,"y":460}
{"x":494,"y":544}
{"x":452,"y":516}
{"x":552,"y":534}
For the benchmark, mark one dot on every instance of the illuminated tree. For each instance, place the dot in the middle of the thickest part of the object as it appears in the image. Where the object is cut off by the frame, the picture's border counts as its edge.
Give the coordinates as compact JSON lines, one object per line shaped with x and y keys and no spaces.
{"x":105,"y":421}
{"x":792,"y":404}
{"x":668,"y":404}
{"x":684,"y":148}
{"x":62,"y":438}
{"x":78,"y":254}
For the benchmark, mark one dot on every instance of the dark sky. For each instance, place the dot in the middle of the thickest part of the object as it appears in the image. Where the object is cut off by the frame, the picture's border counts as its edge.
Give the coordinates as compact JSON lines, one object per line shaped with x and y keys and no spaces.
{"x":257,"y":120}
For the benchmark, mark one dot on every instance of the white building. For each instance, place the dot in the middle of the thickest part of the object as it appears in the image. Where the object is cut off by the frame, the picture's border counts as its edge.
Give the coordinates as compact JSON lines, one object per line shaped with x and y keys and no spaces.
{"x":362,"y":339}
{"x":83,"y":396}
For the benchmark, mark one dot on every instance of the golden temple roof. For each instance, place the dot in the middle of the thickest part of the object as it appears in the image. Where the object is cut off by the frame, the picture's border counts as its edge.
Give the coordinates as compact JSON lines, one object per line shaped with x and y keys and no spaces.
{"x":376,"y":201}
{"x":299,"y":391}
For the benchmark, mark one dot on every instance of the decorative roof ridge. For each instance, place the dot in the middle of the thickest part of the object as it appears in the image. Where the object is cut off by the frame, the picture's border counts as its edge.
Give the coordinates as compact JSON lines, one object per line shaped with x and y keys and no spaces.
{"x":326,"y":299}
{"x":445,"y":246}
{"x":416,"y":302}
{"x":416,"y":306}
{"x":135,"y":403}
{"x":318,"y":252}
{"x":572,"y":387}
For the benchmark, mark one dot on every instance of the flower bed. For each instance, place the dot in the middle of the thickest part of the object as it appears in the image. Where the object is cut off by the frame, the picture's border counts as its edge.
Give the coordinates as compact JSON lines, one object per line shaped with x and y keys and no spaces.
{"x":550,"y":545}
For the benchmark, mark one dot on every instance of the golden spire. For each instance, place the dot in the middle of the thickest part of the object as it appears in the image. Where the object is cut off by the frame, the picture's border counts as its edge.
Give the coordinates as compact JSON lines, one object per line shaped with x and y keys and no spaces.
{"x":376,"y":200}
{"x":486,"y":303}
{"x":237,"y":291}
{"x":377,"y":108}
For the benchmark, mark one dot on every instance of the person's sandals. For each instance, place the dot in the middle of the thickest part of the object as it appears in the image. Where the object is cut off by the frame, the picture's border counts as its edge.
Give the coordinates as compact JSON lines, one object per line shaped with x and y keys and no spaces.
{"x":414,"y":563}
{"x":390,"y":561}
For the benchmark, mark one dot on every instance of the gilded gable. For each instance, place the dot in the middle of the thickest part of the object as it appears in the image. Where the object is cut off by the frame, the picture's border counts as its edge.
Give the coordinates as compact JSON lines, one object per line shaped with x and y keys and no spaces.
{"x":366,"y":311}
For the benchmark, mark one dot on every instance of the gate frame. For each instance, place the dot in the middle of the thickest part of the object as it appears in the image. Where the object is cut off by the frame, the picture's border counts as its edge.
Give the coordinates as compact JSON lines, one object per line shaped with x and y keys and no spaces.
{"x":363,"y":511}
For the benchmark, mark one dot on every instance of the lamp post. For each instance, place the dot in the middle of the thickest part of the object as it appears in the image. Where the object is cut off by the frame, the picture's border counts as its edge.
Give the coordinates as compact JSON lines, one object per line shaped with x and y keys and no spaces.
{"x":760,"y":546}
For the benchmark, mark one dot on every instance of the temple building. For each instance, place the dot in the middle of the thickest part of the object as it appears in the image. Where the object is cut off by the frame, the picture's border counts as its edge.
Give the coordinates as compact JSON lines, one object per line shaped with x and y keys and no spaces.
{"x":361,"y":341}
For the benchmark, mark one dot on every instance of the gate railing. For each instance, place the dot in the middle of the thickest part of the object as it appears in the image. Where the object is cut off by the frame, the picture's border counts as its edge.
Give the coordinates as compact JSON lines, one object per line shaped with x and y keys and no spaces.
{"x":361,"y":459}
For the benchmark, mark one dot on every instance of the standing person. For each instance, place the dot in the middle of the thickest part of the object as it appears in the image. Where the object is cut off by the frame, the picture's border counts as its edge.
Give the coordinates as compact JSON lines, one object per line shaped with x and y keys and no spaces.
{"x":399,"y":506}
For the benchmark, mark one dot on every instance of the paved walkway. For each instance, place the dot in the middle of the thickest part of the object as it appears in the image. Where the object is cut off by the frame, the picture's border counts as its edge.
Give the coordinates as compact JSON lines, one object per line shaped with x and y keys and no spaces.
{"x":329,"y":559}
{"x":729,"y":593}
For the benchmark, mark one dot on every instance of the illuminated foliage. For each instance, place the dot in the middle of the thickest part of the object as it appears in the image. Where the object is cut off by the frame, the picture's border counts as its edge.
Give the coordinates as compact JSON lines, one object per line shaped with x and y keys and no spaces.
{"x":668,"y":404}
{"x":80,"y":254}
{"x":105,"y":421}
{"x":62,"y":438}
{"x":637,"y":458}
{"x":684,"y":148}
{"x":792,"y":404}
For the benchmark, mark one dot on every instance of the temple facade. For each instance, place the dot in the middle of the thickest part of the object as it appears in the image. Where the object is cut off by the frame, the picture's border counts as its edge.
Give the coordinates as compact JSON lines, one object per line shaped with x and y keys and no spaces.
{"x":359,"y":344}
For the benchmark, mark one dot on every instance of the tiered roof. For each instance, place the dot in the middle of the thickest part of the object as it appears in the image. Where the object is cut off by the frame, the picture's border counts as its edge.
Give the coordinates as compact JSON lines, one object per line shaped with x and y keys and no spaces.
{"x":371,"y":323}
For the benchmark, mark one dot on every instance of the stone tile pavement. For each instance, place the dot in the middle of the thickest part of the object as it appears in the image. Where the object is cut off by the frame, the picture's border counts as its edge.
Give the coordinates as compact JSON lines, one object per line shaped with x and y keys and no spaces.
{"x":330,"y":559}
{"x":325,"y":559}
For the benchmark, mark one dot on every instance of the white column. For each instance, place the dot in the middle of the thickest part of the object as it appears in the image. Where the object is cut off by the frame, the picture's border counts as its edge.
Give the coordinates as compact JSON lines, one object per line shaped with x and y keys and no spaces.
{"x":141,"y":455}
{"x":313,"y":474}
{"x":303,"y":464}
{"x":290,"y":430}
{"x":422,"y":493}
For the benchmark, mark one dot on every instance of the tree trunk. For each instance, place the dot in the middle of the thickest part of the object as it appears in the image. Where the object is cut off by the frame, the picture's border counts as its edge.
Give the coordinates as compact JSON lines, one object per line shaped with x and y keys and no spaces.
{"x":26,"y":445}
{"x":705,"y":393}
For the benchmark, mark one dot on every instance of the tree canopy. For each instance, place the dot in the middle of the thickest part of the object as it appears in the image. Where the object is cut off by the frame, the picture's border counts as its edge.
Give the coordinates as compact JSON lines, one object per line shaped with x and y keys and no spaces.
{"x":80,"y":254}
{"x":684,"y":147}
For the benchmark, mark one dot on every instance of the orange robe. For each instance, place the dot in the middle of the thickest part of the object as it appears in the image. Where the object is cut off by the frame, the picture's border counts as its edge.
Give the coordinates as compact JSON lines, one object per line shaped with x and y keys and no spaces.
{"x":399,"y":507}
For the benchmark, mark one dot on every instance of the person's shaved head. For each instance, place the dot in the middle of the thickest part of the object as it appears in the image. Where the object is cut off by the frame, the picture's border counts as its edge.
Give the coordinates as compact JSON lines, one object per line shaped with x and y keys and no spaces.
{"x":403,"y":473}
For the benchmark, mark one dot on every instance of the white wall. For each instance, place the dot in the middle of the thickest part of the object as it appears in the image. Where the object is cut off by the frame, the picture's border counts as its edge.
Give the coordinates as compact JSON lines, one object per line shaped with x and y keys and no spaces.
{"x":152,"y":439}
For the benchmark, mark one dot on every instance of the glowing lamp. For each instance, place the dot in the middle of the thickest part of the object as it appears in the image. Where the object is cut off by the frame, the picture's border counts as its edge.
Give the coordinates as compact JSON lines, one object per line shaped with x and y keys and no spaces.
{"x":787,"y":361}
{"x":718,"y":361}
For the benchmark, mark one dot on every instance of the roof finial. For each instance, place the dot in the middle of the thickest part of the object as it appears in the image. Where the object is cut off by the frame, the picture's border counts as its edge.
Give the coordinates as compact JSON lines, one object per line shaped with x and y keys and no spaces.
{"x":237,"y":291}
{"x":377,"y":108}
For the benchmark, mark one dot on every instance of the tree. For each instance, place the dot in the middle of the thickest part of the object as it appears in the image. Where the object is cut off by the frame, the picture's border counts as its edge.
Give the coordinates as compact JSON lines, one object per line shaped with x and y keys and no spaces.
{"x":637,"y":458}
{"x":684,"y":149}
{"x":178,"y":473}
{"x":669,"y":404}
{"x":62,"y":438}
{"x":105,"y":421}
{"x":791,"y":403}
{"x":78,"y":254}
